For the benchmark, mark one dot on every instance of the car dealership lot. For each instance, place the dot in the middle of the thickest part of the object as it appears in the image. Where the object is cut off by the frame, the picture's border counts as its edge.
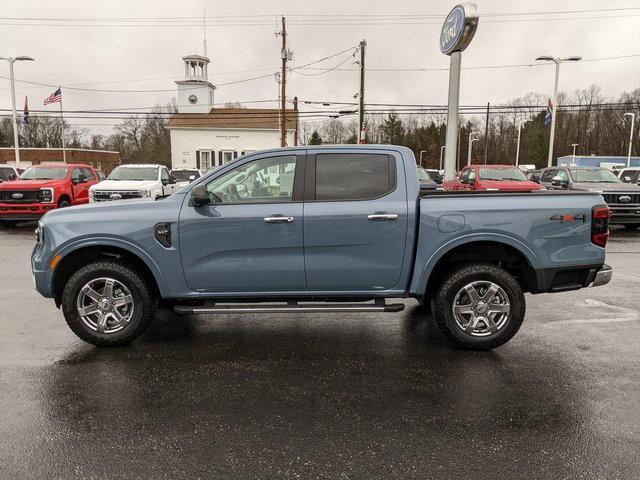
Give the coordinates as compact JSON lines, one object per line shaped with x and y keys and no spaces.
{"x":323,"y":396}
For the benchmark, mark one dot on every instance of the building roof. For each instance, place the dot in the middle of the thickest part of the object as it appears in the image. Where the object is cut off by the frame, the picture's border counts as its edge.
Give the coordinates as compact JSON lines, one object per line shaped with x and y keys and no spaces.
{"x":234,"y":118}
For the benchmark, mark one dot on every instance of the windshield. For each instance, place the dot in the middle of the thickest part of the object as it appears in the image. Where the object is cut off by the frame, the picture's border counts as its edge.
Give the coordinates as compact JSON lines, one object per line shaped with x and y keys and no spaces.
{"x":598,"y":175}
{"x":44,"y":173}
{"x":423,"y":176}
{"x":6,"y":173}
{"x":498,"y":174}
{"x":183,"y":175}
{"x":134,"y":173}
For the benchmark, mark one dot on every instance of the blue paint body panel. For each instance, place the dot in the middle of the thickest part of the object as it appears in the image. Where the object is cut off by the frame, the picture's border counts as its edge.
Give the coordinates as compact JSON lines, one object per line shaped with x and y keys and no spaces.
{"x":331,"y":248}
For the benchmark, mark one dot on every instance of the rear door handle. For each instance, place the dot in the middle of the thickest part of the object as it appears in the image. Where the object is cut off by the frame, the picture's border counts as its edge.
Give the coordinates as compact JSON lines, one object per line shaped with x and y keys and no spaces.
{"x":380,"y":217}
{"x":278,"y":219}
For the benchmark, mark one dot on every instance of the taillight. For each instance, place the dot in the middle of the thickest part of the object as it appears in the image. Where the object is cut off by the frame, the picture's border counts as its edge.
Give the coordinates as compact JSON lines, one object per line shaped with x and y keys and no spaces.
{"x":600,"y":215}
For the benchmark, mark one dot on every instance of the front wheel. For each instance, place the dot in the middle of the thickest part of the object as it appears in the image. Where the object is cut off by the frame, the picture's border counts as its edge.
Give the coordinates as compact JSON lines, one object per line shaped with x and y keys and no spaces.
{"x":108,"y":304}
{"x":480,"y":306}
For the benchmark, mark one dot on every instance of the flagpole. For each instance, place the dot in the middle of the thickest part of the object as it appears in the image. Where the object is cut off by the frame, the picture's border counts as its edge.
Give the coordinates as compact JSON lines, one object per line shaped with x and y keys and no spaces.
{"x":64,"y":151}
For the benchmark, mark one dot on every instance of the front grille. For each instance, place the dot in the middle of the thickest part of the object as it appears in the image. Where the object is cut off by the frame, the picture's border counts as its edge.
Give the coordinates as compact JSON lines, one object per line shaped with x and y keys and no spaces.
{"x":19,"y":196}
{"x":107,"y":196}
{"x":622,"y":199}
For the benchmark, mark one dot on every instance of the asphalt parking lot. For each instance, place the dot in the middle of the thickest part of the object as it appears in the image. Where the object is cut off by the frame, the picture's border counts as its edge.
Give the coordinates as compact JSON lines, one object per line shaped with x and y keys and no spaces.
{"x":327,"y":396}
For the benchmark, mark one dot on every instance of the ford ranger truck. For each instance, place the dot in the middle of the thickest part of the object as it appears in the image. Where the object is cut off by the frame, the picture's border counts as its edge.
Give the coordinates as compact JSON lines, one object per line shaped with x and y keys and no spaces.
{"x":326,"y":229}
{"x":42,"y":188}
{"x":134,"y":182}
{"x":503,"y":178}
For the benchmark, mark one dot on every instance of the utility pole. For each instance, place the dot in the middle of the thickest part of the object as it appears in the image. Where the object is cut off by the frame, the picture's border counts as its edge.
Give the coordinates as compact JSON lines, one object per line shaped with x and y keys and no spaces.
{"x":518,"y":144}
{"x":633,"y":118}
{"x":361,"y":134}
{"x":486,"y":135}
{"x":295,"y":109}
{"x":283,"y":86}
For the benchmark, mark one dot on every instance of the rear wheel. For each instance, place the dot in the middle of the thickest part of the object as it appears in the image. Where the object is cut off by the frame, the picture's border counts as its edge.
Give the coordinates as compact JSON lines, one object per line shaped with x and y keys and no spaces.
{"x":108,"y":304}
{"x":480,"y":306}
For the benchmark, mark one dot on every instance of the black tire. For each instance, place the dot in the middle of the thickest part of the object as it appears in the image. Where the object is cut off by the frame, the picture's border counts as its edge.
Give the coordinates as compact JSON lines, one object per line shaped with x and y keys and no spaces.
{"x":144,"y":303}
{"x":64,"y":203}
{"x":7,"y":223}
{"x":455,"y":282}
{"x":630,"y":226}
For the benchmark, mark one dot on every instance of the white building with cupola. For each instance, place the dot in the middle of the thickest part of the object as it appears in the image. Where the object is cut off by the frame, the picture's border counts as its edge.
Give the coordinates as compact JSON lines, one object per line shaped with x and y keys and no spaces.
{"x":204,"y":137}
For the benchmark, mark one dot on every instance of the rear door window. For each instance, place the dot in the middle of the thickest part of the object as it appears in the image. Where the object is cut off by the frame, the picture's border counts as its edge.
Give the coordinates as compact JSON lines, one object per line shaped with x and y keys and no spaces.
{"x":354,"y":176}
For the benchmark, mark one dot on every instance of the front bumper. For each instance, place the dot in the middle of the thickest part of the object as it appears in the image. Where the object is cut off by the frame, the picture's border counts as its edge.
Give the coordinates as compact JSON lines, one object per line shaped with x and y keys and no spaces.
{"x":24,"y":211}
{"x":603,"y":276}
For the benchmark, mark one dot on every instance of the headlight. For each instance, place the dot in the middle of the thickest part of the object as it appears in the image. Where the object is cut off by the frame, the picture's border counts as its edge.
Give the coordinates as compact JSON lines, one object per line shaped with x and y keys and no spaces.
{"x":40,"y":233}
{"x":144,"y":193}
{"x":46,"y":195}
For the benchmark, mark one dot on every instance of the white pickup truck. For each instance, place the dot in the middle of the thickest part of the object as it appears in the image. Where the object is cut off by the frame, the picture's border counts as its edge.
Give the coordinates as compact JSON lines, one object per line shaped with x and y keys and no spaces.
{"x":134,"y":181}
{"x":8,"y":173}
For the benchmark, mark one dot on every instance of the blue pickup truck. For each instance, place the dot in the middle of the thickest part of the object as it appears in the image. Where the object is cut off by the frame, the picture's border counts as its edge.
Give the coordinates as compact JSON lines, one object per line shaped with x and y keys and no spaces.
{"x":319,"y":229}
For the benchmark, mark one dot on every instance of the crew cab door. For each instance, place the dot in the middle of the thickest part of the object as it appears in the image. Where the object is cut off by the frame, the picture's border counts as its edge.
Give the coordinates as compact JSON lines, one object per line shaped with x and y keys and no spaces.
{"x":80,"y":185}
{"x":355,"y":220}
{"x":249,"y":237}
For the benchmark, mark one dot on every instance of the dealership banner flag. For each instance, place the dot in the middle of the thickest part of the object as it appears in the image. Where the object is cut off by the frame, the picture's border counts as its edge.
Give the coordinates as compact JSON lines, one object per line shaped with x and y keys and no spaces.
{"x":549,"y":114}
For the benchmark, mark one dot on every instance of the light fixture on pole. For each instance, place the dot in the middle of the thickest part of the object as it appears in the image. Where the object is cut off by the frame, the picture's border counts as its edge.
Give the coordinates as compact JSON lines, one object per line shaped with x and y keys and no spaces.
{"x":471,"y":140}
{"x":441,"y":154}
{"x":16,"y":144}
{"x":633,"y":118}
{"x":518,"y":144}
{"x":554,"y":101}
{"x":573,"y":158}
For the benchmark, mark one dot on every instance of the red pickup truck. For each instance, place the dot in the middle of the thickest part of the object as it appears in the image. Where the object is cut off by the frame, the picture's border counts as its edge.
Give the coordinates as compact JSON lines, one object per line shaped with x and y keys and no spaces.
{"x":45,"y":187}
{"x":506,"y":178}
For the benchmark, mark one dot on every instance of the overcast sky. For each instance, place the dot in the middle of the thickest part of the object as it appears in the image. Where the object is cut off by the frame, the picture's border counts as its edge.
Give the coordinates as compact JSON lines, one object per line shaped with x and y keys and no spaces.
{"x":241,"y":44}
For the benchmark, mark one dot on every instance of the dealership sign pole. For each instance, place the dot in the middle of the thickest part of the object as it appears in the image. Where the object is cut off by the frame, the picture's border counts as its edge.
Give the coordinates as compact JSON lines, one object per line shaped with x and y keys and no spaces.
{"x":457,"y":32}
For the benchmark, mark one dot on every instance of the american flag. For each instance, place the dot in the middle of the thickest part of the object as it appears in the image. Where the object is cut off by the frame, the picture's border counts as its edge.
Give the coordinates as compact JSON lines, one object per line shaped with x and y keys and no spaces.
{"x":54,"y":97}
{"x":549,"y":113}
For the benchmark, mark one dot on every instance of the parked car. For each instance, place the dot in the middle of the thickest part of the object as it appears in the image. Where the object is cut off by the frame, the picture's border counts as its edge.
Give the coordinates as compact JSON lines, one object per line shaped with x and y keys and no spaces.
{"x":426,"y":180}
{"x":184,"y":176}
{"x":629,"y":175}
{"x":42,"y":188}
{"x":534,"y":175}
{"x":504,"y":178}
{"x":8,"y":173}
{"x":622,"y":198}
{"x":350,"y":232}
{"x":134,"y":182}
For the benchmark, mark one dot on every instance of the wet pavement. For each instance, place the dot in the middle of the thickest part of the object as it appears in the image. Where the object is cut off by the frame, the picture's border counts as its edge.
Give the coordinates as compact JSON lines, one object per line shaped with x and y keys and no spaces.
{"x":323,"y":396}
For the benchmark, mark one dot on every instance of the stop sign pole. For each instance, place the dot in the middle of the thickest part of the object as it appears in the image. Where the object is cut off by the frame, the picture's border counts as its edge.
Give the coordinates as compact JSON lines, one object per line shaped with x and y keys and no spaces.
{"x":457,"y":32}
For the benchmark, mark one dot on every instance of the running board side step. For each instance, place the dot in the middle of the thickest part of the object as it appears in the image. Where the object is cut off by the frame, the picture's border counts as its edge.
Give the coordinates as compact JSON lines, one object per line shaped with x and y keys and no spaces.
{"x":291,"y":308}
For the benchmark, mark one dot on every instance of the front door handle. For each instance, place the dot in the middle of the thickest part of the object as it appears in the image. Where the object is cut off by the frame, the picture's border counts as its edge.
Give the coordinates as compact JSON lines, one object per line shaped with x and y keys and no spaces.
{"x":380,"y":217}
{"x":278,"y":219}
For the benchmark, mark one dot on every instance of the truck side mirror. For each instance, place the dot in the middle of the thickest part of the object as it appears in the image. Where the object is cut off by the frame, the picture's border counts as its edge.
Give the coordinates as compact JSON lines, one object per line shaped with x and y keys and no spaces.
{"x":199,"y":196}
{"x":172,"y":179}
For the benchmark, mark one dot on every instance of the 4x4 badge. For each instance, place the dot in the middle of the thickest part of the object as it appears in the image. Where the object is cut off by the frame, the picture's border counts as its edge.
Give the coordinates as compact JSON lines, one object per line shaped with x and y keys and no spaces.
{"x":567,"y":217}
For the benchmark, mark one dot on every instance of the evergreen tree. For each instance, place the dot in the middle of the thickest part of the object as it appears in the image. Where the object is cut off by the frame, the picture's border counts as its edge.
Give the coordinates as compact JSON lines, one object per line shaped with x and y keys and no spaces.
{"x":315,"y":138}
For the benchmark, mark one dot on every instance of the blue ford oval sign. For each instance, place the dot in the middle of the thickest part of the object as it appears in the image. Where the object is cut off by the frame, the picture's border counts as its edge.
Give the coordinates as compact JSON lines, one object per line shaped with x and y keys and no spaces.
{"x":458,"y":28}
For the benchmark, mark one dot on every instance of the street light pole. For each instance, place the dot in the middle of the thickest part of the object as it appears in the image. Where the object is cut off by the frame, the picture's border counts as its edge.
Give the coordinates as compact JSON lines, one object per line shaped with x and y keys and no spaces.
{"x":471,"y":140}
{"x":633,"y":118}
{"x":421,"y":153}
{"x":16,"y":144}
{"x":518,"y":144}
{"x":554,"y":101}
{"x":441,"y":154}
{"x":573,"y":160}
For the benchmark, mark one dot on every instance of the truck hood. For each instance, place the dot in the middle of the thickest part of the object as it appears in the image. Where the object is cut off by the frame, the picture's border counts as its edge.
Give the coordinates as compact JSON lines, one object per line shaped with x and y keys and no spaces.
{"x":114,"y":185}
{"x":509,"y":186}
{"x":606,"y":187}
{"x":30,"y":184}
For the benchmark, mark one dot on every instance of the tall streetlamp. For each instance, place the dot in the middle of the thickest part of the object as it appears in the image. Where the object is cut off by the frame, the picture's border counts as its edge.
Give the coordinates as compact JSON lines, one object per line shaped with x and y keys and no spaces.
{"x":633,"y":118}
{"x":554,"y":101}
{"x":518,"y":144}
{"x":573,"y":159}
{"x":471,"y":140}
{"x":11,"y":61}
{"x":441,"y":154}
